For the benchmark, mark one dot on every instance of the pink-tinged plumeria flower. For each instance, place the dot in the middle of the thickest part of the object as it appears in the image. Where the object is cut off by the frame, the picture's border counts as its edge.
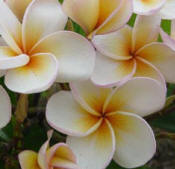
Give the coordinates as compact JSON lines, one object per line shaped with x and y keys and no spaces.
{"x":18,"y":7}
{"x":57,"y":156}
{"x":38,"y":51}
{"x":133,"y":52}
{"x":5,"y":108}
{"x":149,"y":7}
{"x":103,"y":123}
{"x":169,"y":40}
{"x":99,"y":17}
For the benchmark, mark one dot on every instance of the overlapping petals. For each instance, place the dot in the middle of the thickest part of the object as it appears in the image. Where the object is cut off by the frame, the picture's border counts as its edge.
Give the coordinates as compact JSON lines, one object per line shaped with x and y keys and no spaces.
{"x":101,"y":16}
{"x":38,"y":51}
{"x":108,"y":121}
{"x":5,"y":108}
{"x":57,"y":156}
{"x":133,"y":52}
{"x":169,"y":40}
{"x":18,"y":7}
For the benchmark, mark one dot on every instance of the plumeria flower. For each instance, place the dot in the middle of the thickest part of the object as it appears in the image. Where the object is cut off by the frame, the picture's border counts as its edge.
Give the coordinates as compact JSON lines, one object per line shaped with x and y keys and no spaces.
{"x":39,"y":51}
{"x":103,"y":123}
{"x":99,"y":17}
{"x":18,"y":7}
{"x":149,"y":7}
{"x":169,"y":40}
{"x":57,"y":156}
{"x":5,"y":108}
{"x":133,"y":52}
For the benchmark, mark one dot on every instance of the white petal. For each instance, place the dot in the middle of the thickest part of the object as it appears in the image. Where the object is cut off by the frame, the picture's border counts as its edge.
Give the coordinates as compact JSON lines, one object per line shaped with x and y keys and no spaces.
{"x":135,"y":142}
{"x":38,"y":75}
{"x":10,"y":27}
{"x":109,"y":72}
{"x":148,"y":7}
{"x":162,"y":57}
{"x":115,"y":45}
{"x":146,"y":30}
{"x":65,"y":115}
{"x":96,"y":150}
{"x":90,"y":96}
{"x":168,"y":10}
{"x":5,"y":108}
{"x":141,"y":96}
{"x":75,"y":54}
{"x":42,"y":17}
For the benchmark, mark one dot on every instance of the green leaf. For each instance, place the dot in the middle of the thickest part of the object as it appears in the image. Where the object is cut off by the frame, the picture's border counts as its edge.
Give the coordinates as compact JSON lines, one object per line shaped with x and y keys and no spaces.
{"x":132,"y":20}
{"x":34,"y":137}
{"x":166,"y":26}
{"x":166,"y":122}
{"x":171,"y":89}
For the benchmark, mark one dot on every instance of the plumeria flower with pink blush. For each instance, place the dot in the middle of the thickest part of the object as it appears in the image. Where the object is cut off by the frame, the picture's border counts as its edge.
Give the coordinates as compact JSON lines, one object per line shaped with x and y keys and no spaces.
{"x":55,"y":157}
{"x":166,"y":8}
{"x":133,"y":52}
{"x":99,"y":17}
{"x":5,"y":108}
{"x":103,"y":123}
{"x":39,"y":51}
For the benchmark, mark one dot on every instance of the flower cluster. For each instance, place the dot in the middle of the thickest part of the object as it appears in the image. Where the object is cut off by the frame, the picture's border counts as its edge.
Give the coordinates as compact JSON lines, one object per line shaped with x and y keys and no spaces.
{"x":117,"y":76}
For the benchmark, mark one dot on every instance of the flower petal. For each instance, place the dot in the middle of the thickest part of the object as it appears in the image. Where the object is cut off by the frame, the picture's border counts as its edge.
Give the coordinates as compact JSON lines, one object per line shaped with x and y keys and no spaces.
{"x":141,"y":96}
{"x":168,"y":40}
{"x":75,"y":54}
{"x":18,"y":7}
{"x":28,"y":160}
{"x":146,"y":30}
{"x":90,"y":97}
{"x":61,"y":156}
{"x":130,"y":131}
{"x":109,"y":72}
{"x":96,"y":150}
{"x":74,"y":119}
{"x":148,"y":7}
{"x":5,"y":108}
{"x":146,"y":69}
{"x":38,"y":75}
{"x":122,"y":11}
{"x":77,"y":9}
{"x":115,"y":45}
{"x":168,"y":10}
{"x":42,"y":155}
{"x":9,"y":60}
{"x":162,"y":57}
{"x":39,"y":14}
{"x":10,"y":27}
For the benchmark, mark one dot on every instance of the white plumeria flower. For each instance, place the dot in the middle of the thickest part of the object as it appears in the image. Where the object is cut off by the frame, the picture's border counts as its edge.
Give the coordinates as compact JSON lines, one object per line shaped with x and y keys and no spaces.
{"x":99,"y":17}
{"x":133,"y":52}
{"x":5,"y":108}
{"x":57,"y":156}
{"x":149,"y":7}
{"x":103,"y":123}
{"x":38,"y":51}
